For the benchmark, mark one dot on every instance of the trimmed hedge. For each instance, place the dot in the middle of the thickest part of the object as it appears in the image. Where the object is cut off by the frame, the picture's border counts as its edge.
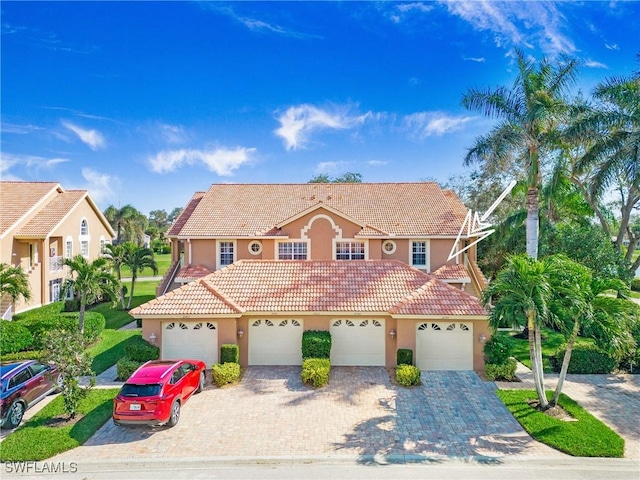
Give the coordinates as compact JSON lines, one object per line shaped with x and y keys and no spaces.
{"x":316,"y":344}
{"x":225,"y":373}
{"x":42,"y":313}
{"x":25,"y":355}
{"x":315,"y":371}
{"x":38,"y":326}
{"x":72,"y":305}
{"x":229,"y":353}
{"x":506,"y":372}
{"x":404,"y":356}
{"x":408,"y":375}
{"x":498,"y":350}
{"x":14,"y":337}
{"x":139,"y":350}
{"x":635,"y":284}
{"x":585,"y":359}
{"x":125,"y":368}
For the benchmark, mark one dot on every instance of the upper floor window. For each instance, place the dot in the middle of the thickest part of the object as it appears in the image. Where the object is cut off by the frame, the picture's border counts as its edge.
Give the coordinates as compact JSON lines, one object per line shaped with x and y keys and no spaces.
{"x":84,"y":248}
{"x":292,"y":251}
{"x":84,"y":227}
{"x":68,"y":252}
{"x":226,"y":253}
{"x":419,"y":253}
{"x":350,"y":251}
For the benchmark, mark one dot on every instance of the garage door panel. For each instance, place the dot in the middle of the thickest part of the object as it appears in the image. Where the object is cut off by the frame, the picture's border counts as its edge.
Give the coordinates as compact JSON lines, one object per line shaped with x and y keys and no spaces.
{"x":193,"y":340}
{"x":444,"y":346}
{"x":357,"y":342}
{"x":275,"y":342}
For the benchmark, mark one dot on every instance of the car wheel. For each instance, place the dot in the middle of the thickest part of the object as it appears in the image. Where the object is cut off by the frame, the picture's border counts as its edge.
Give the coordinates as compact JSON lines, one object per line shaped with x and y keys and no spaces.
{"x":200,"y":383}
{"x":14,"y":417}
{"x":175,"y":414}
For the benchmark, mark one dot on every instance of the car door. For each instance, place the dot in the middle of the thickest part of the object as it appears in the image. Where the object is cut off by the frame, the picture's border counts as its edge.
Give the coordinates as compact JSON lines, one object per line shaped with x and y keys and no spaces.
{"x":40,"y":379}
{"x":177,"y":384}
{"x":25,"y":385}
{"x":190,"y":378}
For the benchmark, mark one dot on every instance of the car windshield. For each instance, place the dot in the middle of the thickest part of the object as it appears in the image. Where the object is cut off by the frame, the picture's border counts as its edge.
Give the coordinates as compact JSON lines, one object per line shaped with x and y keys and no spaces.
{"x":133,"y":390}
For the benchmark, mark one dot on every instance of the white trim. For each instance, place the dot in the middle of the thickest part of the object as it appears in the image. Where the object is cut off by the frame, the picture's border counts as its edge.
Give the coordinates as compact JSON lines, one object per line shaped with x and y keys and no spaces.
{"x":317,"y":206}
{"x":336,"y":228}
{"x":427,"y":247}
{"x":251,"y":244}
{"x":219,"y":265}
{"x":277,"y":247}
{"x":334,"y":245}
{"x":85,"y":238}
{"x":389,"y":242}
{"x":68,"y":240}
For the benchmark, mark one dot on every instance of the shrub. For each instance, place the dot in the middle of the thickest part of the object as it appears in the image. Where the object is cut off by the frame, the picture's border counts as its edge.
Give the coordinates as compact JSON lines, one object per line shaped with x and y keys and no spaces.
{"x":139,"y":350}
{"x":498,"y":350}
{"x":39,"y":325}
{"x":316,"y":344}
{"x":125,"y":368}
{"x":229,"y":353}
{"x":315,"y":371}
{"x":166,"y":249}
{"x":635,"y":284}
{"x":404,"y":356}
{"x":14,"y":337}
{"x":25,"y":355}
{"x":44,"y":312}
{"x":225,"y":373}
{"x":408,"y":375}
{"x":506,"y":371}
{"x":72,"y":305}
{"x":585,"y":359}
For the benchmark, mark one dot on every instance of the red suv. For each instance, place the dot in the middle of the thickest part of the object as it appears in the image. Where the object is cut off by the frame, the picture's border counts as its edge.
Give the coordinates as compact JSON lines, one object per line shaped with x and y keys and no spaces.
{"x":156,"y":391}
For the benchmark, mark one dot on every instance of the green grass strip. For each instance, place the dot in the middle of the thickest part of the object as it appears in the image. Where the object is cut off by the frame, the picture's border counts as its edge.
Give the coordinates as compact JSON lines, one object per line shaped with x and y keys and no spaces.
{"x":37,"y":441}
{"x":586,"y":437}
{"x":110,"y":348}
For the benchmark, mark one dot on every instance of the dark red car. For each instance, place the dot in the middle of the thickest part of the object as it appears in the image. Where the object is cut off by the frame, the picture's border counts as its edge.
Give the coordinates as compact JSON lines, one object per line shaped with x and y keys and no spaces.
{"x":156,"y":391}
{"x":23,"y":384}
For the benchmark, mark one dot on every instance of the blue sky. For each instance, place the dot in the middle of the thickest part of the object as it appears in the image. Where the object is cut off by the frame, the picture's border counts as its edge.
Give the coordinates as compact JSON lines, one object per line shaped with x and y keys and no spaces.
{"x":147,"y":102}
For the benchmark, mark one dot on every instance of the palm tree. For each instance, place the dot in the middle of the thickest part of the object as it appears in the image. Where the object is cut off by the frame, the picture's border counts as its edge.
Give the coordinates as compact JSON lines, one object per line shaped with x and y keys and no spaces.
{"x":14,"y":282}
{"x":129,"y":223}
{"x":137,"y":259}
{"x":521,"y":294}
{"x":91,"y":281}
{"x":117,"y":255}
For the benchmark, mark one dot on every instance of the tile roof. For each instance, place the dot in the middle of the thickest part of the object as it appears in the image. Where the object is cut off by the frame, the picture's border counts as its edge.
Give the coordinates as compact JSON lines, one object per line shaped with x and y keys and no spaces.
{"x":321,"y":286}
{"x":18,"y":198}
{"x":451,"y":272}
{"x":52,"y":214}
{"x":386,"y":209}
{"x":192,"y":272}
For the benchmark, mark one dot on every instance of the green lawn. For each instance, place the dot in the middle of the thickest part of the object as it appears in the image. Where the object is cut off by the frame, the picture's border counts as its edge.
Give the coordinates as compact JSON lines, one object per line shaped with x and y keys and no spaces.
{"x":550,"y":345}
{"x":586,"y":437}
{"x":37,"y":441}
{"x":163,"y":261}
{"x":116,"y":317}
{"x":110,"y":348}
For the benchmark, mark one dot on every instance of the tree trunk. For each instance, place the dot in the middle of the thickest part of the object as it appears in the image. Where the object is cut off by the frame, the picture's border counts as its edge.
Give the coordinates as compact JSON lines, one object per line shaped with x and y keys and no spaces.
{"x":565,"y":363}
{"x":83,"y":304}
{"x":532,"y":222}
{"x":542,"y":397}
{"x":533,"y":355}
{"x":121,"y":289}
{"x":133,"y":283}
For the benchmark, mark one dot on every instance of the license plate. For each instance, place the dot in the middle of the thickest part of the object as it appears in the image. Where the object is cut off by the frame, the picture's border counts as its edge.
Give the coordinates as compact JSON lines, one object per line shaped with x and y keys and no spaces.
{"x":134,"y":406}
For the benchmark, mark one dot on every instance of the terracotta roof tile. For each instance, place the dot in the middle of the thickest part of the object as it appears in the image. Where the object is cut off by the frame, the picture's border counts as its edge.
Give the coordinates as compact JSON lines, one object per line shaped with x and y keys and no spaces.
{"x":324,"y":286}
{"x":192,"y":272}
{"x":17,"y":198}
{"x":451,"y":272}
{"x":401,"y":209}
{"x":185,"y":214}
{"x":51,"y":214}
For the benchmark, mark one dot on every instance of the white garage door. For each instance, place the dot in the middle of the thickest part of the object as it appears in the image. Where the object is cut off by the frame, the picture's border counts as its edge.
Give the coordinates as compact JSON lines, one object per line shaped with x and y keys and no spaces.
{"x":190,"y":340}
{"x":444,"y":346}
{"x":275,"y":342}
{"x":357,"y":342}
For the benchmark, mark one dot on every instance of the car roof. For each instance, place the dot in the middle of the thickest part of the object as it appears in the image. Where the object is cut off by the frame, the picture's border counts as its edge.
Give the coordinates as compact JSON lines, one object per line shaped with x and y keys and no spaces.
{"x":155,"y":371}
{"x":9,"y":368}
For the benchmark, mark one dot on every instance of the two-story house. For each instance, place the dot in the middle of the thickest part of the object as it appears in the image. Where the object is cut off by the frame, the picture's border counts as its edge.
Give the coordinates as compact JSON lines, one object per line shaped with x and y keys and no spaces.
{"x":259,"y":264}
{"x":40,"y":224}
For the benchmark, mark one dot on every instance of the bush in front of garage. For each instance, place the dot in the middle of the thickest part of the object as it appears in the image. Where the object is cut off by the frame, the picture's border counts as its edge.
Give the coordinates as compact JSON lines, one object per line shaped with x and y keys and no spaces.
{"x":229,"y":353}
{"x":316,"y":344}
{"x":125,"y":368}
{"x":404,"y":356}
{"x":225,"y":373}
{"x":407,"y":375}
{"x":505,"y":372}
{"x":585,"y":359}
{"x":139,"y":350}
{"x":316,"y":371}
{"x":498,"y":350}
{"x":14,"y":337}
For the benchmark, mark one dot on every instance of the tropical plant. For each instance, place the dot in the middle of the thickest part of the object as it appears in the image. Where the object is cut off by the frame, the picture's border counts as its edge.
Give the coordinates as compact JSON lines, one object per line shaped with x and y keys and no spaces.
{"x":137,"y":259}
{"x":91,"y":282}
{"x":117,"y":254}
{"x":129,"y":223}
{"x":14,"y":282}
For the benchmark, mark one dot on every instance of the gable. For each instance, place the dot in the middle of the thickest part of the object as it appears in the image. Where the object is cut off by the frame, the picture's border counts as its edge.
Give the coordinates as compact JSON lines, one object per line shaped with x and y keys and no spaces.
{"x":19,"y":199}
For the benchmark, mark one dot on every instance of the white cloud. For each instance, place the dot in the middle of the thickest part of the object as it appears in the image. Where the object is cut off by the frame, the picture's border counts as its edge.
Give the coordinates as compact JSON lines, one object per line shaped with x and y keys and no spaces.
{"x":99,"y":185}
{"x":593,"y":64}
{"x":400,"y":12}
{"x":515,"y":23}
{"x":426,"y":124}
{"x":475,"y":59}
{"x":92,"y":138}
{"x":377,"y":163}
{"x":297,"y":123}
{"x":330,"y":167}
{"x":222,"y":161}
{"x":9,"y":160}
{"x":172,"y":133}
{"x":612,"y":47}
{"x":19,"y":129}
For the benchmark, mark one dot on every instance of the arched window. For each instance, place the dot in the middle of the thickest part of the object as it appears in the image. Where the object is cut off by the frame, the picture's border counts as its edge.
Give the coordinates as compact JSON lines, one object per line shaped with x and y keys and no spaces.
{"x":84,"y":227}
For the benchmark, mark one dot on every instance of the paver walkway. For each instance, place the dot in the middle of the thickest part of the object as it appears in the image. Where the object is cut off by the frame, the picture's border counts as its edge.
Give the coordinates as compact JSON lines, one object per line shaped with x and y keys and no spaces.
{"x":271,"y":413}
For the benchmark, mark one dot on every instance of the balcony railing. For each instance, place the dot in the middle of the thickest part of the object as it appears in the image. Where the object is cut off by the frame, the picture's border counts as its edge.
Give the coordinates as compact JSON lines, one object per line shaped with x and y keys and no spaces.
{"x":55,"y":264}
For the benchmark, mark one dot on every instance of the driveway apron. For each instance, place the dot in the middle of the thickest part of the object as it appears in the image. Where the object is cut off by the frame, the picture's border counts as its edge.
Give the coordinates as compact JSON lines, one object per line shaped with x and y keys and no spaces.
{"x":360,"y":412}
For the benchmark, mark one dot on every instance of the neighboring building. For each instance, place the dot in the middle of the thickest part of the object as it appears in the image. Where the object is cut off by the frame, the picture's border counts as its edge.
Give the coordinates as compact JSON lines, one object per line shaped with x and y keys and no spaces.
{"x":259,"y":264}
{"x":40,"y":224}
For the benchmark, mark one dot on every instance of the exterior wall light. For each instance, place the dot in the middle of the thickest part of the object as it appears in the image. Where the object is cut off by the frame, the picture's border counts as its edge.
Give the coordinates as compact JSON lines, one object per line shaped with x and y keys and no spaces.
{"x":392,"y":333}
{"x":240,"y":333}
{"x":152,"y":338}
{"x":482,"y":337}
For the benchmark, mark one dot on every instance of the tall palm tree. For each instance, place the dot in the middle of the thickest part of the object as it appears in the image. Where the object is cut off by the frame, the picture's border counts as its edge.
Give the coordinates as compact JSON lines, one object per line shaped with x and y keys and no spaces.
{"x":117,"y":254}
{"x":14,"y":282}
{"x":521,"y":295}
{"x":91,"y":281}
{"x":137,"y":259}
{"x":129,"y":223}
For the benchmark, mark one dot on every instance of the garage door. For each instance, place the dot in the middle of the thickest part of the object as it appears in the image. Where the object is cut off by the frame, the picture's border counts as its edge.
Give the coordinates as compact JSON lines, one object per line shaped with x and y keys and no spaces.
{"x":357,"y":342}
{"x":444,"y":346}
{"x":275,"y":342}
{"x":192,"y":340}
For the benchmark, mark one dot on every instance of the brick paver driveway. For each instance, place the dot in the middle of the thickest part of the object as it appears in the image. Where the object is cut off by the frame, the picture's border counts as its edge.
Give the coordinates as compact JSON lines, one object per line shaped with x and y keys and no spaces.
{"x":271,"y":413}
